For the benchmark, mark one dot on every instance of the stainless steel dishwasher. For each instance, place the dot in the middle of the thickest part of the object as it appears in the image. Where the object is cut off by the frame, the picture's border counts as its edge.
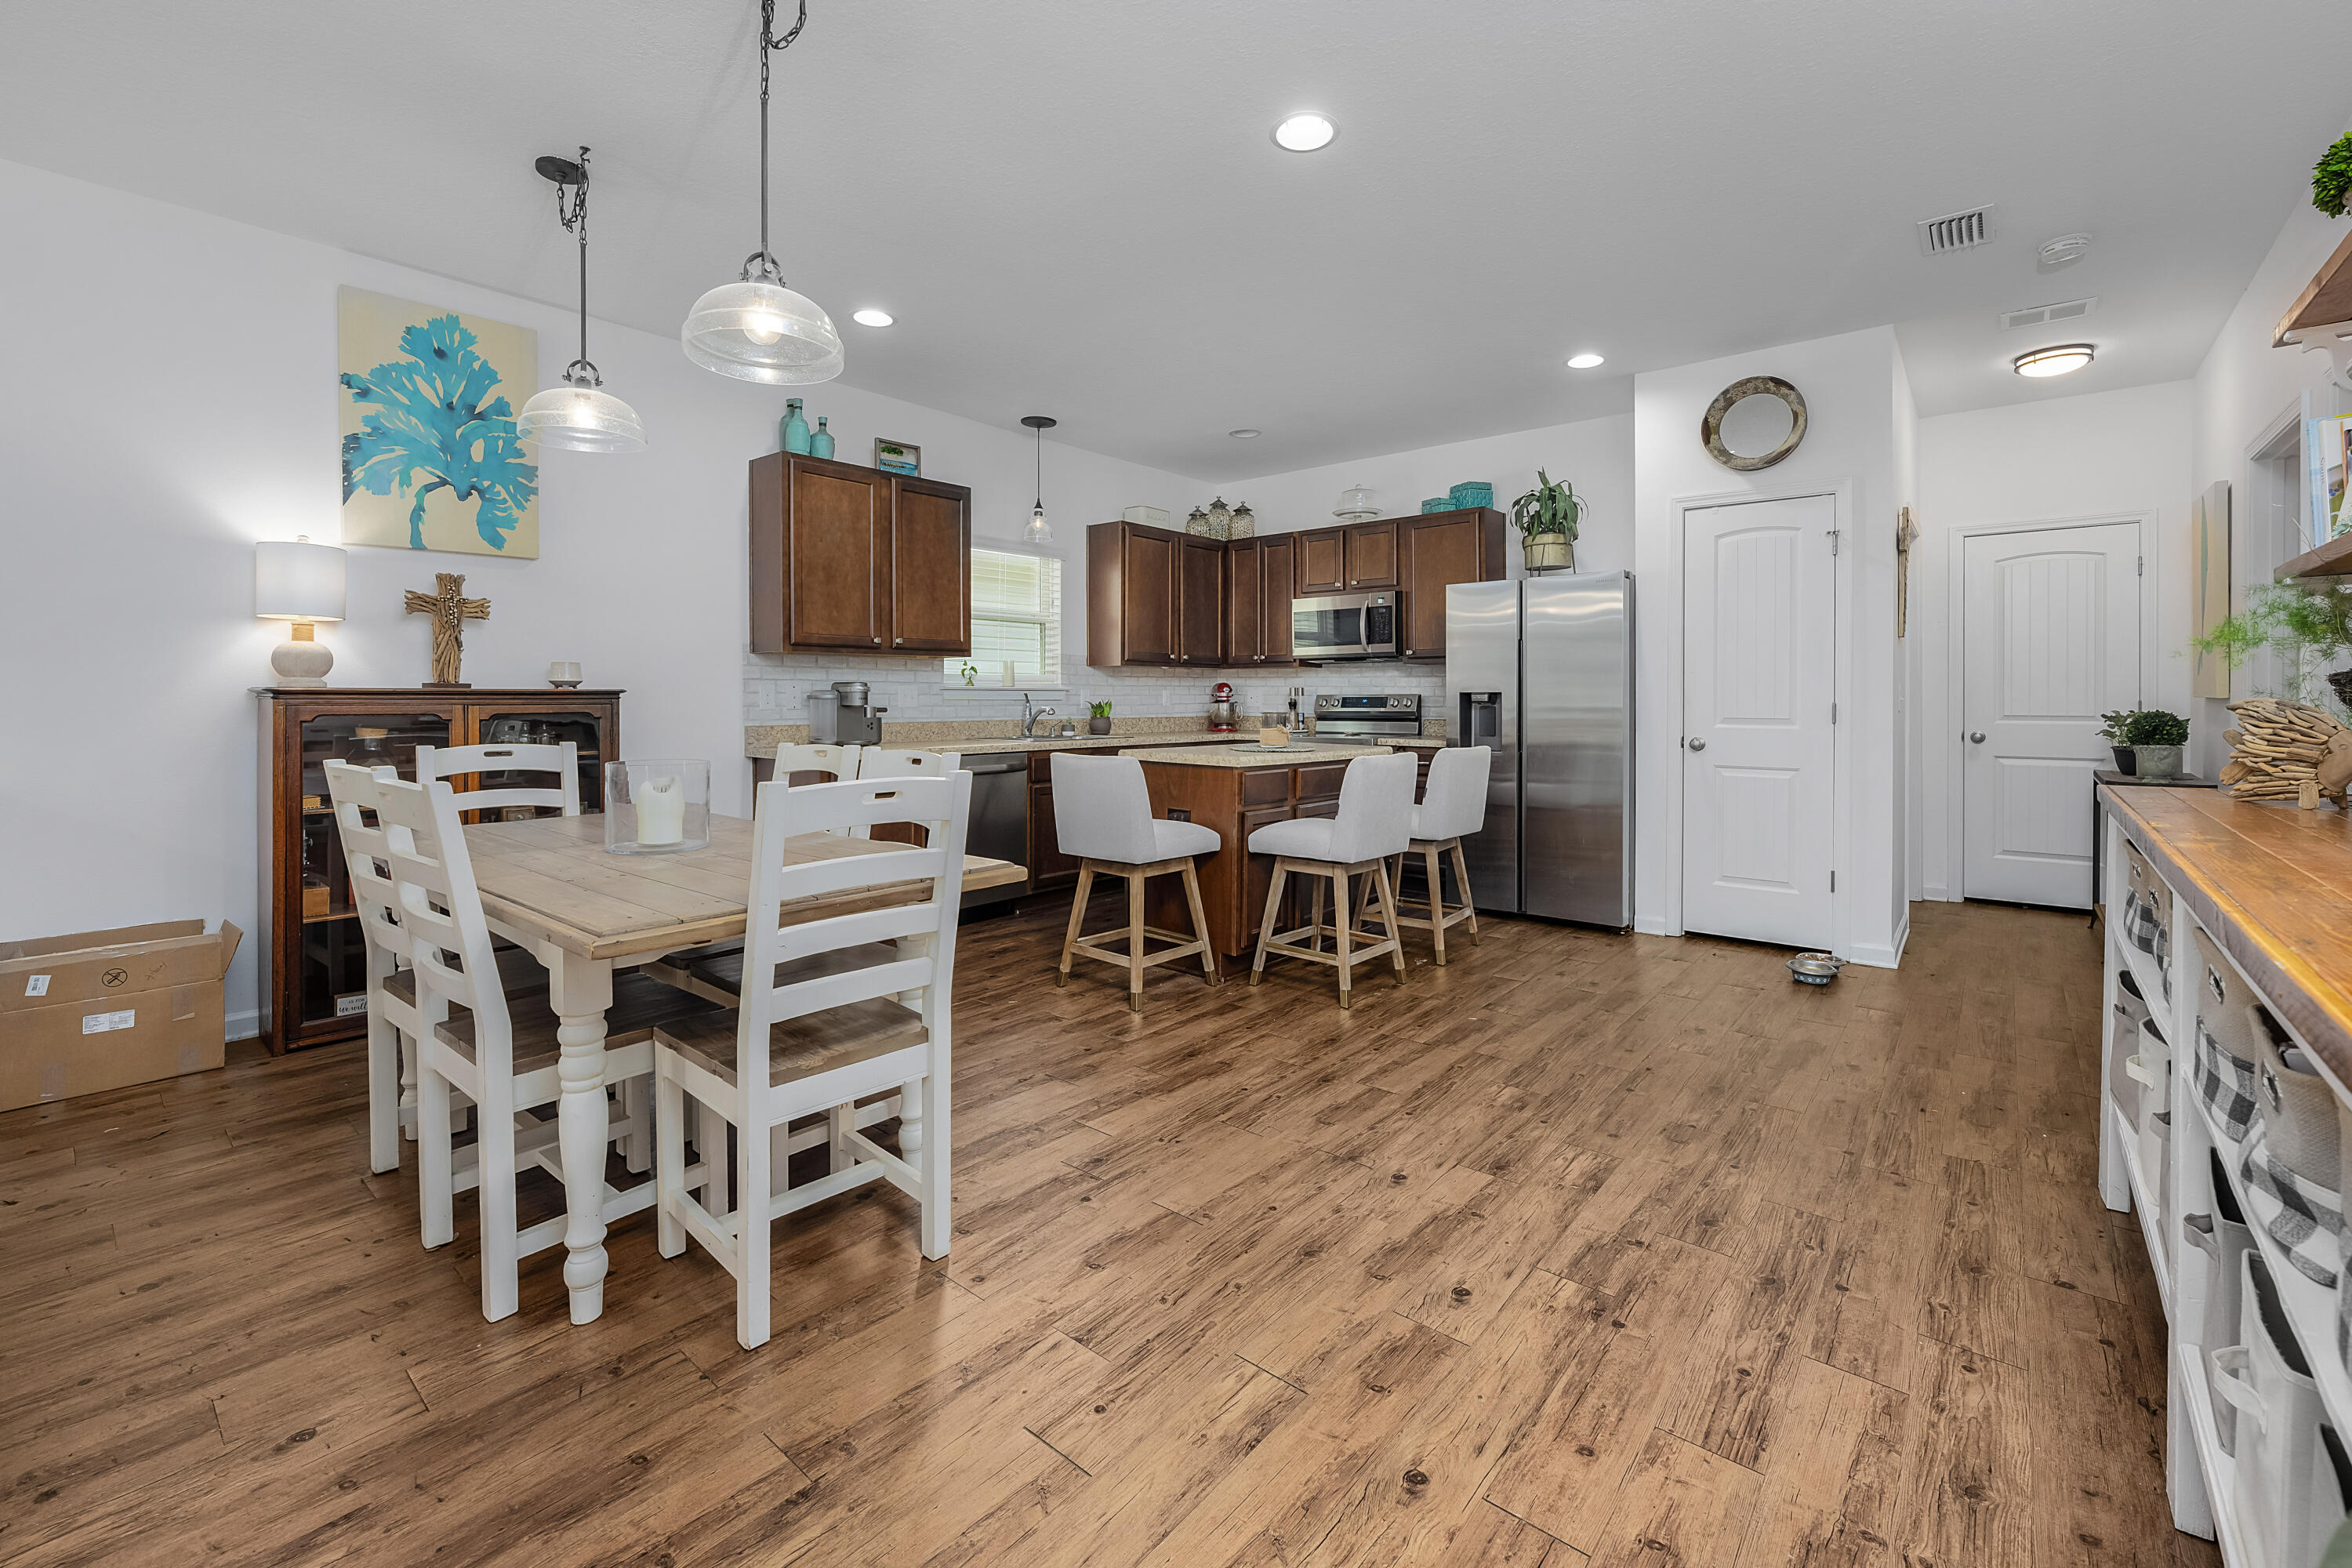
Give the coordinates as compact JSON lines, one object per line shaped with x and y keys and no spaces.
{"x":999,"y":828}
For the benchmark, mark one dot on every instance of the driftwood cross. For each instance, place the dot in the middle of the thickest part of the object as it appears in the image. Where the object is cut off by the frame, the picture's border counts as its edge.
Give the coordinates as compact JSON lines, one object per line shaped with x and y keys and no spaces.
{"x":450,"y":610}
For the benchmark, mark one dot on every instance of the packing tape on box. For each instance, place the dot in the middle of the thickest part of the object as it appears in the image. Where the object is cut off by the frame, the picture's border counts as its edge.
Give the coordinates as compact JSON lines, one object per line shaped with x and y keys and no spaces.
{"x":192,"y":1056}
{"x":183,"y":1005}
{"x":53,"y":1080}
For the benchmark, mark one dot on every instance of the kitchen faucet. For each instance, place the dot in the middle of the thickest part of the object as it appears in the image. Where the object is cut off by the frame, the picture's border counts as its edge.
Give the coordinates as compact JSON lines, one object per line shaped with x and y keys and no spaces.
{"x":1029,"y":717}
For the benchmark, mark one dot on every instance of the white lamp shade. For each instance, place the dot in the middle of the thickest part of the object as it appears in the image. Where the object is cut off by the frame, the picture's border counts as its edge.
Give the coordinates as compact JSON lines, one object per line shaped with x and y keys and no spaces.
{"x":298,"y":582}
{"x":580,"y":420}
{"x":764,"y":332}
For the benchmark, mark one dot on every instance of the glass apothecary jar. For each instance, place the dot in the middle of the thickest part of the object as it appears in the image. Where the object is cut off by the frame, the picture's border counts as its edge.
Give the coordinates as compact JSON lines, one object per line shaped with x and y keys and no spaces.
{"x":656,"y":807}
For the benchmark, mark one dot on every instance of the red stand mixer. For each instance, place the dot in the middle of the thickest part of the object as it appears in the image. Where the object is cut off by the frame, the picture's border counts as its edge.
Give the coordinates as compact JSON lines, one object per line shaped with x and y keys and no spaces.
{"x":1220,"y":707}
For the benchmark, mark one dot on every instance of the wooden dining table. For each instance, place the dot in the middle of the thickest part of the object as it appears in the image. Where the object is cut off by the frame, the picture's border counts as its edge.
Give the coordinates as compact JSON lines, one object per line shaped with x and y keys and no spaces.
{"x":548,"y":886}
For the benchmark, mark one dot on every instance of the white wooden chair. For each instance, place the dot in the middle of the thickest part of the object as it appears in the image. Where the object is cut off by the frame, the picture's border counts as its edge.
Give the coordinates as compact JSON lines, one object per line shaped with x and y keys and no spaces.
{"x":1102,"y":816}
{"x":1374,"y":826}
{"x":456,"y":762}
{"x":903,"y":763}
{"x":497,"y":1045}
{"x":393,"y":1024}
{"x":1453,"y":807}
{"x":821,"y":1027}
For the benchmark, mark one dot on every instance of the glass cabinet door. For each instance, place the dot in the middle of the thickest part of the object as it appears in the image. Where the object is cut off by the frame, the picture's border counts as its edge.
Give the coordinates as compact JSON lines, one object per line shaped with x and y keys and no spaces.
{"x":492,"y":728}
{"x":334,"y":966}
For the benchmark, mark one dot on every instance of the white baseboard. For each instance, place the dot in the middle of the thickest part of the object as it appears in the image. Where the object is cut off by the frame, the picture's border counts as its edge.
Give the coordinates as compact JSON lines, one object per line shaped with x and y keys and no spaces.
{"x":244,"y":1026}
{"x":1882,"y":955}
{"x":1937,"y":893}
{"x":1651,"y":925}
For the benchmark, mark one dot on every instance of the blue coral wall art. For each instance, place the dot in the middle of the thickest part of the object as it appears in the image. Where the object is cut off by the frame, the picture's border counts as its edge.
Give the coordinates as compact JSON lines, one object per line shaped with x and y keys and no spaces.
{"x":430,"y":456}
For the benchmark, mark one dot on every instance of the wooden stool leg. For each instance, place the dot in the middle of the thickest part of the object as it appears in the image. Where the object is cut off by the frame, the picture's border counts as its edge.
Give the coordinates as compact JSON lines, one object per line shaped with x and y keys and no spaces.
{"x":1396,"y":931}
{"x":1314,"y":928}
{"x":1135,"y":941}
{"x":1437,"y":901}
{"x":1077,"y":919}
{"x":1339,"y":906}
{"x":1469,"y":905}
{"x":1363,"y":903}
{"x":1273,"y":908}
{"x":1210,"y":965}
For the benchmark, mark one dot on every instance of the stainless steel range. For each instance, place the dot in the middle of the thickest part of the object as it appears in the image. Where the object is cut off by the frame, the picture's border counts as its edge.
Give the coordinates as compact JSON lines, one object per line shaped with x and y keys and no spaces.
{"x":1394,"y":716}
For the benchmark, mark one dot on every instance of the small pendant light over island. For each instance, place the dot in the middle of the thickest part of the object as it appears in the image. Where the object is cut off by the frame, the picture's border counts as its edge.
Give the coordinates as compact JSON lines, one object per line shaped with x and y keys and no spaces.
{"x":756,"y":329}
{"x":1039,"y":530}
{"x":579,"y":415}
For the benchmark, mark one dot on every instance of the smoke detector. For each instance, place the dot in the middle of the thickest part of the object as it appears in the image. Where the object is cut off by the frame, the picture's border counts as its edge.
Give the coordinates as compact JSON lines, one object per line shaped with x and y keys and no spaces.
{"x":2066,"y":249}
{"x":2041,"y":315}
{"x":1957,"y":231}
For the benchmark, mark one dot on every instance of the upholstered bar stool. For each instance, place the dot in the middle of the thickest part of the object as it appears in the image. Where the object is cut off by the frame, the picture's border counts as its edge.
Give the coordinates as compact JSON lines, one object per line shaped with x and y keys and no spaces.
{"x":1374,"y":826}
{"x":1102,"y":816}
{"x":1453,"y":807}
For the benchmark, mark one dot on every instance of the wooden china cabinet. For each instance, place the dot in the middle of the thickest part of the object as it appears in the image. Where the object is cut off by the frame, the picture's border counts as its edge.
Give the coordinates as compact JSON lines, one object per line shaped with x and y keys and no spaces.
{"x":313,"y":956}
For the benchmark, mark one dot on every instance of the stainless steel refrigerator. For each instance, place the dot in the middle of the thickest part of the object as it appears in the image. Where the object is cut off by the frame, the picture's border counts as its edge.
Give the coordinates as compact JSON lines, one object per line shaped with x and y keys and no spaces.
{"x":1542,"y":670}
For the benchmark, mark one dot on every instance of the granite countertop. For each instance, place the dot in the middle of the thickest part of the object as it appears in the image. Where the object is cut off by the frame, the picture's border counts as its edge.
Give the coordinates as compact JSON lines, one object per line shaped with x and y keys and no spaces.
{"x":760,"y":740}
{"x":1232,"y":756}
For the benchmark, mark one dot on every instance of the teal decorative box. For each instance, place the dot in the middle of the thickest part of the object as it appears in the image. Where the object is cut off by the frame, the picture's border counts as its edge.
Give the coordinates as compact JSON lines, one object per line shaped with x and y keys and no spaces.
{"x":1438,"y":503}
{"x":1475,"y":494}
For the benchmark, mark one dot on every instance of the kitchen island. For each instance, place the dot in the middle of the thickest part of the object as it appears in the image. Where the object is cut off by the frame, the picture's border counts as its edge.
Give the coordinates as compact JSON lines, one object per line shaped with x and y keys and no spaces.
{"x":1237,"y":790}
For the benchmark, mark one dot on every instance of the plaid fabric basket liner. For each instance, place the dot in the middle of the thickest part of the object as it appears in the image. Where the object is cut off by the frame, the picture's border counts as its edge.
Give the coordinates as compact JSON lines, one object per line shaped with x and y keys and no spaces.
{"x":2225,"y":1083}
{"x":2310,"y":1216}
{"x":2140,"y":925}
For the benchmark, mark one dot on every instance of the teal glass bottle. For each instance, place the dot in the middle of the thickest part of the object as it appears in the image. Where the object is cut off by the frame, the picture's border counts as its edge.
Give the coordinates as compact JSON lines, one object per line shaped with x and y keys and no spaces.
{"x":821,"y":443}
{"x":794,"y":429}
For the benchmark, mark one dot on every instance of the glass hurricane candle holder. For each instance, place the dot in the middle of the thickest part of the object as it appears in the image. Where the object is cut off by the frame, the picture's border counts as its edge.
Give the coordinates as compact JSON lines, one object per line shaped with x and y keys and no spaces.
{"x":659,"y":808}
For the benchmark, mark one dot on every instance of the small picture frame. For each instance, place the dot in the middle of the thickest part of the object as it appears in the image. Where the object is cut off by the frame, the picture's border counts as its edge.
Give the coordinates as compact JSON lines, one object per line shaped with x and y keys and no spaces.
{"x":898,"y":458}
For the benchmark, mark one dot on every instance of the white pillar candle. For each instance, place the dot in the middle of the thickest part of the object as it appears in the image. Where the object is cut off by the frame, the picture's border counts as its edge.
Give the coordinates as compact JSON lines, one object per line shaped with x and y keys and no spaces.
{"x":1012,"y":674}
{"x":661,"y":811}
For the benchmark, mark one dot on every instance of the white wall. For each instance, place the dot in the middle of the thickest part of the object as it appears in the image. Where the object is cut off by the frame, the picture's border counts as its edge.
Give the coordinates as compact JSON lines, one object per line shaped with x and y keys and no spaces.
{"x":1851,"y":388}
{"x":2101,"y":455}
{"x":168,"y":397}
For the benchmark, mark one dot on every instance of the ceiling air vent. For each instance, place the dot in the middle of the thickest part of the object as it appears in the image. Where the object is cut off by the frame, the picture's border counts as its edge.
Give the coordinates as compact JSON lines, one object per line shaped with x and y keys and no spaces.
{"x":1957,"y":231}
{"x":2041,"y":315}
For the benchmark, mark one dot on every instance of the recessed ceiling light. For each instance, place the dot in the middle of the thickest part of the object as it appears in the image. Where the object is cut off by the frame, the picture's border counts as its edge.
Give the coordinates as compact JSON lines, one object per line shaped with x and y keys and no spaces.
{"x":1582,"y":362}
{"x":1244,"y":434}
{"x":870,"y":317}
{"x":2056,"y":360}
{"x":1304,"y":133}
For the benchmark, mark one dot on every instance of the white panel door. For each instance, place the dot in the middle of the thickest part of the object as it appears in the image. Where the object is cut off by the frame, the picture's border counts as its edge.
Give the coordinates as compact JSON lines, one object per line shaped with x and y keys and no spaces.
{"x":1759,"y":658}
{"x":2049,"y":641}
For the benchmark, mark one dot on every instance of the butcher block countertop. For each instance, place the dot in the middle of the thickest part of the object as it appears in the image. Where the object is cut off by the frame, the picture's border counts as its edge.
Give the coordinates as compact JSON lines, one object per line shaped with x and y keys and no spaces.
{"x":2272,"y":885}
{"x":1234,"y":756}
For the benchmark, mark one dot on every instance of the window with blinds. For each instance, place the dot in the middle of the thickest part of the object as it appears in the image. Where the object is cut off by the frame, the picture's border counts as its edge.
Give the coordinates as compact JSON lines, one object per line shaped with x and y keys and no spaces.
{"x":1016,"y":619}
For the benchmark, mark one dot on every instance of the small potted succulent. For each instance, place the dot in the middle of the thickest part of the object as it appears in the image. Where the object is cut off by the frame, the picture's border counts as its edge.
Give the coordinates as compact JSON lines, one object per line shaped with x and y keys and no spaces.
{"x":2156,"y":738}
{"x":1546,"y":518}
{"x":1098,"y":717}
{"x":2111,"y":730}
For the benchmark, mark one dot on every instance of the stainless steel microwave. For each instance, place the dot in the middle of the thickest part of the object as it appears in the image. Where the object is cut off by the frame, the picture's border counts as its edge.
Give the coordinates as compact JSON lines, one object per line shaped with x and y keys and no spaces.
{"x":1345,"y":625}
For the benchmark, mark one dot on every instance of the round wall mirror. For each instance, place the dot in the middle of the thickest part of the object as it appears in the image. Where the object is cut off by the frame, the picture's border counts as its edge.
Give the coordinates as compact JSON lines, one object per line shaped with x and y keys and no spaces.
{"x":1754,"y":423}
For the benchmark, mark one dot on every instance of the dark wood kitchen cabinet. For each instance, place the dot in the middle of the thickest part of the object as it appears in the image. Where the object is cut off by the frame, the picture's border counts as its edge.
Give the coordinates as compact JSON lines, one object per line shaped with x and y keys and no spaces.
{"x":1258,"y":601}
{"x":844,"y":557}
{"x":1358,"y":558}
{"x":1200,"y":601}
{"x":1439,"y":550}
{"x":1131,"y":595}
{"x":1322,"y":563}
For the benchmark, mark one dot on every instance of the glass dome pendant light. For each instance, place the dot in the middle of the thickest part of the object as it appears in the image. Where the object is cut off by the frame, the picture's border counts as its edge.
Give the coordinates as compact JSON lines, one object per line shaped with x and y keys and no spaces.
{"x":1039,"y":530}
{"x":756,"y":329}
{"x":578,"y":415}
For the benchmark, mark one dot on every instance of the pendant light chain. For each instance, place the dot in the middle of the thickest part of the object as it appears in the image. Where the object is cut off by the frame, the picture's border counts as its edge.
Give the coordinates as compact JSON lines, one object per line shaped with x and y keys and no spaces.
{"x":769,"y":45}
{"x":574,"y":215}
{"x":1041,"y":467}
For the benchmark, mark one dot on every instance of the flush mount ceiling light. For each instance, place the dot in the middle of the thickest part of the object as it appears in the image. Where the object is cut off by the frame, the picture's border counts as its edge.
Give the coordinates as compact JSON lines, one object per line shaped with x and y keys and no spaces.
{"x":2057,"y":360}
{"x":1245,"y":434}
{"x":577,"y":415}
{"x":873,"y":318}
{"x":1583,"y":362}
{"x":1305,"y":132}
{"x":1039,"y":531}
{"x":755,"y":329}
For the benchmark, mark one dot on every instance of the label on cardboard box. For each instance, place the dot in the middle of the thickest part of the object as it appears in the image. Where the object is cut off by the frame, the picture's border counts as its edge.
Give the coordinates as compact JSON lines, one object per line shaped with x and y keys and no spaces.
{"x":37,"y":985}
{"x":99,"y":1023}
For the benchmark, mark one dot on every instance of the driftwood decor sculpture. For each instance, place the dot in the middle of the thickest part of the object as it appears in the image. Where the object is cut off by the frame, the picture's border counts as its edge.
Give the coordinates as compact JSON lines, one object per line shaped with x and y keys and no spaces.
{"x":2284,"y":751}
{"x":450,"y":610}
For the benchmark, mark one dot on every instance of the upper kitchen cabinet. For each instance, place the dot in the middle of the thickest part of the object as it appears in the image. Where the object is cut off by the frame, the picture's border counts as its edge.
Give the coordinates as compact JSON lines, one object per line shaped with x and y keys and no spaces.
{"x":1321,"y":564}
{"x":849,"y":557}
{"x":1373,"y":555}
{"x":1438,"y":549}
{"x":1257,"y":600}
{"x":1200,"y":601}
{"x":1360,"y":557}
{"x":1131,"y":595}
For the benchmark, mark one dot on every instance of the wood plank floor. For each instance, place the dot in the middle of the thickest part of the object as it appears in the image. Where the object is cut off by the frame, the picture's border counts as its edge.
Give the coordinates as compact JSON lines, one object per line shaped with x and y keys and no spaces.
{"x":1584,"y":1249}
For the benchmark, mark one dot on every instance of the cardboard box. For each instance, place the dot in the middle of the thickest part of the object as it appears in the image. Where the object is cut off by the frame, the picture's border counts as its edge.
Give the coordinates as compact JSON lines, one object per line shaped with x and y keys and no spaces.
{"x":100,"y":1009}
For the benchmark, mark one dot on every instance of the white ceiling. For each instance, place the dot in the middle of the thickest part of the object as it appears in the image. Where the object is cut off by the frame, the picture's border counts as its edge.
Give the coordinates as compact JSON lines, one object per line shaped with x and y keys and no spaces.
{"x":1074,"y":207}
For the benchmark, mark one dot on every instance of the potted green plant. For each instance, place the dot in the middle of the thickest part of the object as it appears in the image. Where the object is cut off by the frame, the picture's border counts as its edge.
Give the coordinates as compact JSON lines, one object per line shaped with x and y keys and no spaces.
{"x":2156,"y":738}
{"x":2111,"y":729}
{"x":2313,"y":616}
{"x":1098,"y":717}
{"x":1546,"y":519}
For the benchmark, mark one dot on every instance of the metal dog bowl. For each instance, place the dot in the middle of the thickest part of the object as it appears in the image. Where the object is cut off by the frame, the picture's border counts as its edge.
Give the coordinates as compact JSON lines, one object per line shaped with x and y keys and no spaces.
{"x":1815,"y":968}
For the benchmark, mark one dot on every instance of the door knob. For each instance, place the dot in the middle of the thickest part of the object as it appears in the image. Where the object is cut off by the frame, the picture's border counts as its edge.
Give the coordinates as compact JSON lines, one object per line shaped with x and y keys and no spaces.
{"x":1976,"y":737}
{"x":896,"y":641}
{"x":1697,"y":744}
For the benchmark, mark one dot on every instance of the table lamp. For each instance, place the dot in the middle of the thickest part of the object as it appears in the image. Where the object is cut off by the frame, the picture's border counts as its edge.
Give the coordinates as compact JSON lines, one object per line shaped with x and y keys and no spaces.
{"x":301,"y":583}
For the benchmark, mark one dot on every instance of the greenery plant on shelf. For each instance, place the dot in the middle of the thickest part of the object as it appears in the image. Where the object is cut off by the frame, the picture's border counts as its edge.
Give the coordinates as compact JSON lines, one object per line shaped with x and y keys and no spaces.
{"x":2331,"y":178}
{"x":2313,"y":616}
{"x":2155,"y":727}
{"x":1549,"y":508}
{"x":2113,"y":725}
{"x":1099,"y":710}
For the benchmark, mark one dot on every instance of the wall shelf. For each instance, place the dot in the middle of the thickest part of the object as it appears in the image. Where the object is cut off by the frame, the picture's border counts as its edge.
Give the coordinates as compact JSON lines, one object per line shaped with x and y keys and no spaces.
{"x":2326,"y":300}
{"x":2332,"y":559}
